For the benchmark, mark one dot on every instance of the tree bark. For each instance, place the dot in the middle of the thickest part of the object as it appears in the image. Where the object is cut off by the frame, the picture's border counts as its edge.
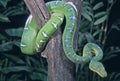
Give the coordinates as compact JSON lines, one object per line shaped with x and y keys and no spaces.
{"x":59,"y":67}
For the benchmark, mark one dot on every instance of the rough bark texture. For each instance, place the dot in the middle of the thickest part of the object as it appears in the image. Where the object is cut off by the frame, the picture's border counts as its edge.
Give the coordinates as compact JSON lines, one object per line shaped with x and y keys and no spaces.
{"x":59,"y":67}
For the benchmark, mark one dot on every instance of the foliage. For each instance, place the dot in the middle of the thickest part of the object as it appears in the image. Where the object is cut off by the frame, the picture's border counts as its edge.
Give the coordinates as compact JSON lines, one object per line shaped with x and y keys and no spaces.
{"x":94,"y":28}
{"x":15,"y":66}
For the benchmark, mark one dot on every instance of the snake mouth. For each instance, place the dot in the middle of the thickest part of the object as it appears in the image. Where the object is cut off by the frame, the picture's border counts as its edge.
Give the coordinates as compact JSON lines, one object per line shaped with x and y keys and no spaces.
{"x":98,"y":68}
{"x":100,"y":71}
{"x":103,"y":75}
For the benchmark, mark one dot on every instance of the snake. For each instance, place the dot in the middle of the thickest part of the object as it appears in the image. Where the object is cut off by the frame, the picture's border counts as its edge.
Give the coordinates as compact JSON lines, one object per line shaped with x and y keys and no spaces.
{"x":34,"y":40}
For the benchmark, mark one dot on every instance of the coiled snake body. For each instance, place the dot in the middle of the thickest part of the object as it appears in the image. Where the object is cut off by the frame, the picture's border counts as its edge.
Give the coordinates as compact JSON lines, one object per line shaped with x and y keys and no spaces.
{"x":33,"y":40}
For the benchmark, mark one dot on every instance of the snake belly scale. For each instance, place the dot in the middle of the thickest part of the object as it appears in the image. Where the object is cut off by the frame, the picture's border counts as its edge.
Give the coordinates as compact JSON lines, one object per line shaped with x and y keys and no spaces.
{"x":34,"y":40}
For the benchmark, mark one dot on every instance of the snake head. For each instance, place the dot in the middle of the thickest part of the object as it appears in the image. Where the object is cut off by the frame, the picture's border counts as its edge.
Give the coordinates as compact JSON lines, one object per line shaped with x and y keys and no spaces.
{"x":98,"y":68}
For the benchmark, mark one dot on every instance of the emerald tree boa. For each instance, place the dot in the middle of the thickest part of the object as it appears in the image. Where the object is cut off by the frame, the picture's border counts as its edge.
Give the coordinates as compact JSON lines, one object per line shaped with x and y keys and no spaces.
{"x":34,"y":40}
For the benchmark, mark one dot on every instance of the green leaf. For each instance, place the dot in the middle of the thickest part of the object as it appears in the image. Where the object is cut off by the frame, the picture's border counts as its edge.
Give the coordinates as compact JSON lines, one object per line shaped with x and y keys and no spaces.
{"x":100,"y":20}
{"x":80,"y":38}
{"x":7,"y":70}
{"x":111,"y":77}
{"x":86,"y":3}
{"x":97,"y":32}
{"x":41,"y":70}
{"x":2,"y":37}
{"x":117,"y":76}
{"x":115,"y":27}
{"x":17,"y":42}
{"x":109,"y":57}
{"x":18,"y":12}
{"x":92,"y":1}
{"x":14,"y":58}
{"x":110,"y":1}
{"x":3,"y":18}
{"x":7,"y":46}
{"x":38,"y":76}
{"x":100,"y":14}
{"x":86,"y":15}
{"x":87,"y":8}
{"x":84,"y":25}
{"x":14,"y":31}
{"x":14,"y":77}
{"x":77,"y":67}
{"x":89,"y":37}
{"x":89,"y":12}
{"x":35,"y":61}
{"x":98,"y":5}
{"x":114,"y":51}
{"x":4,"y":2}
{"x":15,"y":10}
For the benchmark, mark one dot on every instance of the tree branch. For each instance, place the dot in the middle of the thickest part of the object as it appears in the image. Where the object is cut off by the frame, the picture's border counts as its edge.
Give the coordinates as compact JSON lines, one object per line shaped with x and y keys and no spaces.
{"x":59,"y":67}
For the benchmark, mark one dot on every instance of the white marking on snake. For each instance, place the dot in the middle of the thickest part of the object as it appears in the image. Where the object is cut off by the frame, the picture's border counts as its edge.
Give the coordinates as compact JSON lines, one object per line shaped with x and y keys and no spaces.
{"x":44,"y":34}
{"x":23,"y":45}
{"x":72,"y":24}
{"x":70,"y":29}
{"x":72,"y":17}
{"x":71,"y":9}
{"x":69,"y":53}
{"x":60,"y":18}
{"x":42,"y":41}
{"x":65,"y":4}
{"x":28,"y":20}
{"x":37,"y":49}
{"x":77,"y":59}
{"x":26,"y":28}
{"x":56,"y":2}
{"x":66,"y":40}
{"x":54,"y":25}
{"x":38,"y":45}
{"x":71,"y":3}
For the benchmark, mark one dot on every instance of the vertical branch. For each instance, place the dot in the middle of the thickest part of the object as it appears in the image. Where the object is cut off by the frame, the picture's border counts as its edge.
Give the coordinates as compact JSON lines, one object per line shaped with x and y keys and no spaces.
{"x":59,"y":67}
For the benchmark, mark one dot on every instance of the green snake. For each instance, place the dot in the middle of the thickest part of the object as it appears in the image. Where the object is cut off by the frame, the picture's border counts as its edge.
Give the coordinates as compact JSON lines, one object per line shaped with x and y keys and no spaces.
{"x":34,"y":39}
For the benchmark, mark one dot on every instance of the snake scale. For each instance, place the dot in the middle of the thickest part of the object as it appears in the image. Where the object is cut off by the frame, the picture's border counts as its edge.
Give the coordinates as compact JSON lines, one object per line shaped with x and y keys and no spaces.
{"x":34,"y":40}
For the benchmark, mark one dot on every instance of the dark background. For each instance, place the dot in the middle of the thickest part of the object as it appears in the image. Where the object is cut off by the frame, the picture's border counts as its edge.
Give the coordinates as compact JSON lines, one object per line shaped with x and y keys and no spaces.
{"x":114,"y":38}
